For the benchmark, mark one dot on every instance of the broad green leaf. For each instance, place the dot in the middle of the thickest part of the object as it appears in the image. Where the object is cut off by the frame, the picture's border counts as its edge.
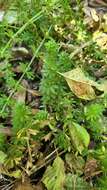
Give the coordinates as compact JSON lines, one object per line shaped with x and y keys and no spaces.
{"x":79,"y":137}
{"x":2,"y":157}
{"x":74,"y":182}
{"x":54,"y":176}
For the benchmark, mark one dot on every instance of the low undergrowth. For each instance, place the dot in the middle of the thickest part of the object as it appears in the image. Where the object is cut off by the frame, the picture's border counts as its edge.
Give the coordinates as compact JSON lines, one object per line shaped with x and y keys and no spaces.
{"x":52,"y":134}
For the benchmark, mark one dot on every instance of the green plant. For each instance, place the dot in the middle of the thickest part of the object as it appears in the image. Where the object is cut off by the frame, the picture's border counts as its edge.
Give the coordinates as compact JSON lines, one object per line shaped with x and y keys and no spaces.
{"x":60,"y":119}
{"x":21,"y":117}
{"x":53,"y":91}
{"x":94,"y":118}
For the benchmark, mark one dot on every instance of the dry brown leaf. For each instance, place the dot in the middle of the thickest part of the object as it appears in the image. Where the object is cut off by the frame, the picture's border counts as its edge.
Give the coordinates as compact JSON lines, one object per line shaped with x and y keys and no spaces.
{"x":91,"y":168}
{"x":33,"y":92}
{"x":94,"y":15}
{"x":79,"y":84}
{"x":82,"y":90}
{"x":20,"y":95}
{"x":47,"y":137}
{"x":24,"y":186}
{"x":82,"y":86}
{"x":39,"y":186}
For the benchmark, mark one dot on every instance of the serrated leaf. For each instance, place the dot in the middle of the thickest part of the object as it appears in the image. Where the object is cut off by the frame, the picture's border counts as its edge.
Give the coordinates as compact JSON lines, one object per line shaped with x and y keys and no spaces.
{"x":74,"y":182}
{"x":79,"y":137}
{"x":55,"y":175}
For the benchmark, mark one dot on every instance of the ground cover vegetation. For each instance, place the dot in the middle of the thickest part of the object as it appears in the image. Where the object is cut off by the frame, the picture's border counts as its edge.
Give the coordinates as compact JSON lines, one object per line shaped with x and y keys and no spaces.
{"x":53,"y":96}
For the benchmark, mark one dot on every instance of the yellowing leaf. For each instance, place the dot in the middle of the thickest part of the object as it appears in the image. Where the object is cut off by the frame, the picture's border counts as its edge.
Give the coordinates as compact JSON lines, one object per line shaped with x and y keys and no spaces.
{"x":80,"y":85}
{"x":104,"y":24}
{"x":102,"y":86}
{"x":54,"y":176}
{"x":94,"y":15}
{"x":2,"y":157}
{"x":101,"y":39}
{"x":79,"y":137}
{"x":16,"y":174}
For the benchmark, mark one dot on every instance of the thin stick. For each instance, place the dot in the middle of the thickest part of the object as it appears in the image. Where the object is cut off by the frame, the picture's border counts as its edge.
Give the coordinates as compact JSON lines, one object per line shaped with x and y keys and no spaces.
{"x":44,"y":164}
{"x":29,"y":150}
{"x":47,"y":157}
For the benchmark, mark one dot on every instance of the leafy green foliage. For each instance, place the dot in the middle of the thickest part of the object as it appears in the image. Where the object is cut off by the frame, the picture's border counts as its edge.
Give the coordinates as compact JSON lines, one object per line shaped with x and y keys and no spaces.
{"x":55,"y":175}
{"x":73,"y":181}
{"x":53,"y":91}
{"x":62,"y":140}
{"x":21,"y":117}
{"x":50,"y":70}
{"x":79,"y":137}
{"x":57,"y":118}
{"x":94,"y":112}
{"x":102,"y":183}
{"x":94,"y":117}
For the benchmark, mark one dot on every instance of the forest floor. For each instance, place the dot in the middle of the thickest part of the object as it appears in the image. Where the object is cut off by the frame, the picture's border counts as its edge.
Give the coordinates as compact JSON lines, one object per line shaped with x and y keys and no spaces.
{"x":53,"y":96}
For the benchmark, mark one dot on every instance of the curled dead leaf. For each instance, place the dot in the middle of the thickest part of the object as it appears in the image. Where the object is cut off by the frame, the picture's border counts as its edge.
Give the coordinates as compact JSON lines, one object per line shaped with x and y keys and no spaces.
{"x":91,"y":168}
{"x":82,"y":86}
{"x":79,"y":84}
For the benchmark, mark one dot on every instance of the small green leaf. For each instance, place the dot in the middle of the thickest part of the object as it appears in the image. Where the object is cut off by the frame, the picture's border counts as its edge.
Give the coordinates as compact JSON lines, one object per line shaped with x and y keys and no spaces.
{"x":79,"y":137}
{"x":54,"y":176}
